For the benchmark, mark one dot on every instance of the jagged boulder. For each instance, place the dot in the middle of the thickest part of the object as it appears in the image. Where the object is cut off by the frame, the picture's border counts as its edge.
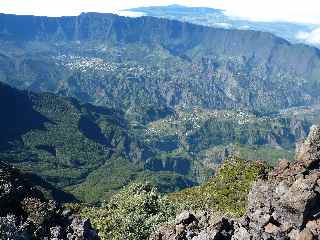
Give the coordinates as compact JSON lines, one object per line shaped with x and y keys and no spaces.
{"x":81,"y":229}
{"x":196,"y":226}
{"x":25,"y":214}
{"x":13,"y":189}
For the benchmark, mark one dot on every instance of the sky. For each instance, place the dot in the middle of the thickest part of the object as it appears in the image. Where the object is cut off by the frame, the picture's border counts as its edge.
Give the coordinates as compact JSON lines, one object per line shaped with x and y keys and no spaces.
{"x":304,"y":11}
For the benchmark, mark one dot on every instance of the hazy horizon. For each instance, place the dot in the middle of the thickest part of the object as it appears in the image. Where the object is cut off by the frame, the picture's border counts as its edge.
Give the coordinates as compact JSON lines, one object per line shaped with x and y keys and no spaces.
{"x":271,"y":10}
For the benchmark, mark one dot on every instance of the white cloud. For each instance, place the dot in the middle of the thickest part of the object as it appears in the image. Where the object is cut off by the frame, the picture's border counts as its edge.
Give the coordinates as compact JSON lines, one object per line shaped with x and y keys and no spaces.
{"x":245,"y":27}
{"x":129,"y":13}
{"x":223,"y":25}
{"x":312,"y":37}
{"x":307,"y":11}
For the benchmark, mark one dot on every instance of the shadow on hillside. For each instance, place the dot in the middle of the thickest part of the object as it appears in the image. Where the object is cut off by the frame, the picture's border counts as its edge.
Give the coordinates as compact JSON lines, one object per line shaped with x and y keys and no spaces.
{"x":17,"y":115}
{"x":47,"y":188}
{"x":92,"y":131}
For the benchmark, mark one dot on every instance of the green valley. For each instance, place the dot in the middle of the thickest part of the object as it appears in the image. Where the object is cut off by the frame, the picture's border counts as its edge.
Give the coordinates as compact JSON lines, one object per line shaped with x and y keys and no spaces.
{"x":93,"y":151}
{"x":99,"y":101}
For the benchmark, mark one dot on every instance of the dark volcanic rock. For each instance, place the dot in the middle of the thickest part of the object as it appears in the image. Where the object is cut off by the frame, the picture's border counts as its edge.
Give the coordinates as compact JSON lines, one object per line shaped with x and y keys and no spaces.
{"x":81,"y":229}
{"x":288,"y":204}
{"x":200,"y":226}
{"x":25,"y":214}
{"x":13,"y":190}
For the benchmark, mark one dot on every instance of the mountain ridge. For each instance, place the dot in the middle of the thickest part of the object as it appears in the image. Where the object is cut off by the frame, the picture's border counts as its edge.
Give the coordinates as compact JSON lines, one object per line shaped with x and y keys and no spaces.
{"x":217,"y":18}
{"x":219,"y":68}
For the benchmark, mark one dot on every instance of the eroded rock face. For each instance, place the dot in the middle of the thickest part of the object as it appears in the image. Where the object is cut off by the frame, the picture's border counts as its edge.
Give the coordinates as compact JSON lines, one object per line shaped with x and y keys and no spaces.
{"x":284,"y":206}
{"x":199,"y":226}
{"x":25,"y":214}
{"x":287,"y":205}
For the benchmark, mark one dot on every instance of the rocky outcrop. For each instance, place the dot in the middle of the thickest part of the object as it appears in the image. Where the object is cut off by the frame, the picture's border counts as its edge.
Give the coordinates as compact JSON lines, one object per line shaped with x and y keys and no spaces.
{"x":25,"y":214}
{"x":284,"y":206}
{"x":288,"y":204}
{"x":198,"y":226}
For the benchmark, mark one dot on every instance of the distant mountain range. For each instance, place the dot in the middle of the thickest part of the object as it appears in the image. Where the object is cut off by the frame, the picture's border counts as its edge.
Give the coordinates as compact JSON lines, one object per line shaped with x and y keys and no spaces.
{"x":294,"y":32}
{"x":147,"y":63}
{"x":147,"y":98}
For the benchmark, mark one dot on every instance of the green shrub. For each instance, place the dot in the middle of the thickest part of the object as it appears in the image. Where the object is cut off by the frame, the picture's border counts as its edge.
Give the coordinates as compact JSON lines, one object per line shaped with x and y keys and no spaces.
{"x":226,"y":192}
{"x":133,"y":213}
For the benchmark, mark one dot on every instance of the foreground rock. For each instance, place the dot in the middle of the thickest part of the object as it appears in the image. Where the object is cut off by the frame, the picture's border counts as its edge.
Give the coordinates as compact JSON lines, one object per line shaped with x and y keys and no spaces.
{"x":285,"y":206}
{"x":199,"y":226}
{"x":25,"y":214}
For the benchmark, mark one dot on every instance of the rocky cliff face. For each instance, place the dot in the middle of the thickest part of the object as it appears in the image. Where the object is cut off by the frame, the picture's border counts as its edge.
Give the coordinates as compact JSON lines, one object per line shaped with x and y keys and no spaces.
{"x":25,"y":214}
{"x":217,"y":18}
{"x":286,"y":205}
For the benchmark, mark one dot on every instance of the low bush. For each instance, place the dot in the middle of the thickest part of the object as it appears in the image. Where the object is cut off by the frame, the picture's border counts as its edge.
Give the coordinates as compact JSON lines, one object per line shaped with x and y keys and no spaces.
{"x":133,"y":213}
{"x":226,"y":192}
